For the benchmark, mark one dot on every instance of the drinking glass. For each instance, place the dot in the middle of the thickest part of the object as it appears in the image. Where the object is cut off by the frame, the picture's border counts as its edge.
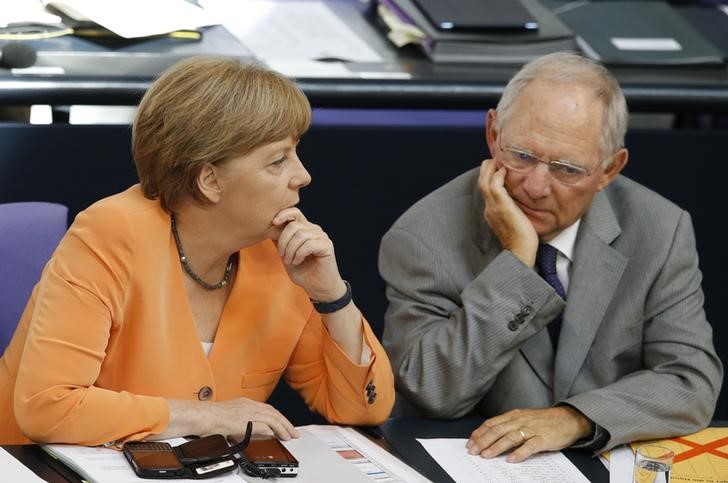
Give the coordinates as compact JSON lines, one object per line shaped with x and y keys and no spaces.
{"x":652,"y":464}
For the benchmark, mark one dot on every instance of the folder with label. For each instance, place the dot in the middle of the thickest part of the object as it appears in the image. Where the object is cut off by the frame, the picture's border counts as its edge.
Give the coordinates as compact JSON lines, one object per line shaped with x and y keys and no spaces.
{"x":638,"y":33}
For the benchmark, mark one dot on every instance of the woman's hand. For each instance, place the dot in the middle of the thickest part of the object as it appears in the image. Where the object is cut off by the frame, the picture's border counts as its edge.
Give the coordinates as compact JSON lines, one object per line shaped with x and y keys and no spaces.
{"x":203,"y":418}
{"x":308,"y":255}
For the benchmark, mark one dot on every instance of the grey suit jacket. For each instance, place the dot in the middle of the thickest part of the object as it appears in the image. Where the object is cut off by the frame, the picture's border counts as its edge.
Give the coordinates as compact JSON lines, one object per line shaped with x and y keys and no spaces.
{"x":466,"y":325}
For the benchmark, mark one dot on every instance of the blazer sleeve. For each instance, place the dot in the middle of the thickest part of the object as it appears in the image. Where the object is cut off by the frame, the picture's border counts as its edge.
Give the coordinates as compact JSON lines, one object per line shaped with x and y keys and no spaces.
{"x":677,"y":389}
{"x":333,"y":385}
{"x":448,"y":343}
{"x":79,"y":301}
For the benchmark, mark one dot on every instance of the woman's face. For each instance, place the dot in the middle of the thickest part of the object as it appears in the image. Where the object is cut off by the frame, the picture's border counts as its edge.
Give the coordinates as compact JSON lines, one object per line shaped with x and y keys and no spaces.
{"x":258,"y":185}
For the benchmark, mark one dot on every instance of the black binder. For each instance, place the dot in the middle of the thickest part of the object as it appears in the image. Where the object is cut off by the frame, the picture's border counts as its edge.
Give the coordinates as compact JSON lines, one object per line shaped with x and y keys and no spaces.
{"x":497,"y":47}
{"x":638,"y":32}
{"x":477,"y":15}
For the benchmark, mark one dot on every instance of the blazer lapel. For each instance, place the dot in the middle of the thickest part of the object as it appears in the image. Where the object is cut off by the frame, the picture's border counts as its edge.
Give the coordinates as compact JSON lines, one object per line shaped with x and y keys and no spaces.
{"x":595,"y":275}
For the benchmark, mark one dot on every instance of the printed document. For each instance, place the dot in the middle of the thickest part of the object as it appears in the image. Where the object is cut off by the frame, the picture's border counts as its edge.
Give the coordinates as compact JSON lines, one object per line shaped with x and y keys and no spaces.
{"x":326,"y":454}
{"x":450,"y":453}
{"x":285,"y":29}
{"x":366,"y":456}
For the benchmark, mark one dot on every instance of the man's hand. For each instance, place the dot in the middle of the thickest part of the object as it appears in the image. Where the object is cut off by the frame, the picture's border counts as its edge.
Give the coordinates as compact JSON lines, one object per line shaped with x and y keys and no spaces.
{"x":529,"y":431}
{"x":508,"y":222}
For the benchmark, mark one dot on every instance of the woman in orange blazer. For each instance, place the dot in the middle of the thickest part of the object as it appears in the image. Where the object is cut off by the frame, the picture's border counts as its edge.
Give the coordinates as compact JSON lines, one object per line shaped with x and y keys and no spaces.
{"x":175,"y":307}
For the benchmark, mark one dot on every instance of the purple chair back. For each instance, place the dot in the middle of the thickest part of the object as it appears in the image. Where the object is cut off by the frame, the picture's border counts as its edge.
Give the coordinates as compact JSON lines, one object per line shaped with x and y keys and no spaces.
{"x":29,"y":232}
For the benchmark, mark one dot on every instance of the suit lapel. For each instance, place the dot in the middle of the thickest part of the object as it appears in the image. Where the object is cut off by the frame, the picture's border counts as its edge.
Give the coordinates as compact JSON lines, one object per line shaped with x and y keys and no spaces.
{"x":483,"y":236}
{"x":595,"y":275}
{"x":539,"y":354}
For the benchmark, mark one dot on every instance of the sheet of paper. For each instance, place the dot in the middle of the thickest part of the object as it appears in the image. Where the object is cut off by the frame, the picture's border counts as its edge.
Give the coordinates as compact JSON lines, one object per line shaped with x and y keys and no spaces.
{"x":106,"y":465}
{"x":139,"y":18}
{"x":366,"y":456}
{"x":318,"y":464}
{"x":25,"y":11}
{"x":326,"y":454}
{"x":310,"y":68}
{"x":290,"y":29}
{"x":339,"y":70}
{"x":451,"y":454}
{"x":621,"y":462}
{"x":14,"y":470}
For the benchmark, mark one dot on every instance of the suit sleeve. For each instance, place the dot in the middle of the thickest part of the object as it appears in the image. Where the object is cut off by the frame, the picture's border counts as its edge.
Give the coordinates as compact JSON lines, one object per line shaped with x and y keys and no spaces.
{"x":341,"y":390}
{"x":676,"y":391}
{"x":448,"y":343}
{"x":79,"y":301}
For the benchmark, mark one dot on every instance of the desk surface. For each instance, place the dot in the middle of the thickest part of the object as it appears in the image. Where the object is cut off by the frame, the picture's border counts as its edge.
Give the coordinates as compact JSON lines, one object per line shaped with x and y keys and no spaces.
{"x":119,"y":73}
{"x":400,"y":435}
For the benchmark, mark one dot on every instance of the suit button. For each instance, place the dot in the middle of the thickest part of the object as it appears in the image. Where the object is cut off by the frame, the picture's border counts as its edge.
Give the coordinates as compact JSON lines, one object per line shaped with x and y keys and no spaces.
{"x":526,"y":310}
{"x":372,"y":398}
{"x":205,"y":393}
{"x":370,"y":386}
{"x":513,"y":325}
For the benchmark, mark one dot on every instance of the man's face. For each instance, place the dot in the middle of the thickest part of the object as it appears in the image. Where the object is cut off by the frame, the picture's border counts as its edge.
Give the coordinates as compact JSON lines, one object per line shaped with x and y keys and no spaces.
{"x":555,"y":122}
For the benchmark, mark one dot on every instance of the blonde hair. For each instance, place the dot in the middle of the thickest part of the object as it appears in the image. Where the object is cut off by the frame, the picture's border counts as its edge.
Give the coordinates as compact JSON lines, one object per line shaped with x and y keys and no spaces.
{"x":568,"y":68}
{"x":209,"y":110}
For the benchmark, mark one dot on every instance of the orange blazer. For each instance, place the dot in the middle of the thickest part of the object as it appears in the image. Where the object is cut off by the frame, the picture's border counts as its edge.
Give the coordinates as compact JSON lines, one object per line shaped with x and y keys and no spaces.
{"x":108,"y":334}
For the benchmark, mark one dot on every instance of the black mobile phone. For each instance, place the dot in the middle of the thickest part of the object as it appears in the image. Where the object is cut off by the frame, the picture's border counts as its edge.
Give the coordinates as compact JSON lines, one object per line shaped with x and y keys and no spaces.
{"x":153,"y":460}
{"x":269,"y":453}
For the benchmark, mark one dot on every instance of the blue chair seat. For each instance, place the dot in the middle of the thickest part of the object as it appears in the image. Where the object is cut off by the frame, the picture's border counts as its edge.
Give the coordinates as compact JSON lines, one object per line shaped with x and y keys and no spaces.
{"x":29,"y":232}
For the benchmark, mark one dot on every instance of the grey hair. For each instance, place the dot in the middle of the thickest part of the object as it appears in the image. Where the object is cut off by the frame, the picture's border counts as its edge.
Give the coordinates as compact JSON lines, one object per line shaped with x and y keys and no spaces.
{"x":568,"y":68}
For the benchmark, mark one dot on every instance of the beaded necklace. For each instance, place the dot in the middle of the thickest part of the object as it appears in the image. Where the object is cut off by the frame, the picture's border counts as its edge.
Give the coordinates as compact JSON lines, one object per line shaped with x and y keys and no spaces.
{"x":191,"y":273}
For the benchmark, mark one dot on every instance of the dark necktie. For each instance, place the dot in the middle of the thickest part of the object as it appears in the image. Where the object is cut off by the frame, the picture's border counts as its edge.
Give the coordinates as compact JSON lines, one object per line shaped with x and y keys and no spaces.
{"x":546,"y":263}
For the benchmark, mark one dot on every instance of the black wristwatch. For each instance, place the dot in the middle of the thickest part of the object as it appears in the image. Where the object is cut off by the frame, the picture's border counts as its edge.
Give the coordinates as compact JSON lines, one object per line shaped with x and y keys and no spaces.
{"x":338,"y":304}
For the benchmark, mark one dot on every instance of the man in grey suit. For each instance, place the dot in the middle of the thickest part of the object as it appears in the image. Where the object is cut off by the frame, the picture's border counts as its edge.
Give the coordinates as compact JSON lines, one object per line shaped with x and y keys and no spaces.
{"x":548,"y":237}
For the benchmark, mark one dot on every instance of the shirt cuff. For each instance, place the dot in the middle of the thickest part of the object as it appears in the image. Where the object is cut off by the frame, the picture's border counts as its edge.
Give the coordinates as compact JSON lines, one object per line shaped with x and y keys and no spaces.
{"x":598,"y":439}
